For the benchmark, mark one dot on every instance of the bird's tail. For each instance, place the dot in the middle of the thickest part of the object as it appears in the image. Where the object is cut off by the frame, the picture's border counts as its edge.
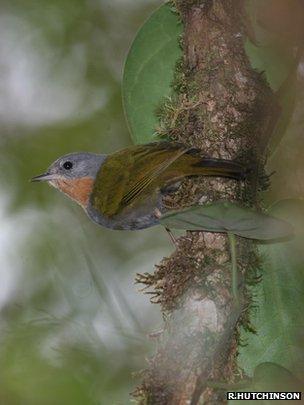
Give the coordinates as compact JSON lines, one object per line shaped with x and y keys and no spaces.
{"x":222,"y":168}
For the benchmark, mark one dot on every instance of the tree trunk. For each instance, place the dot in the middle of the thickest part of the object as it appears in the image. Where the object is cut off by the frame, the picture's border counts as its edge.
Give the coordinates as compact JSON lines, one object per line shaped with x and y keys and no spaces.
{"x":225,"y":108}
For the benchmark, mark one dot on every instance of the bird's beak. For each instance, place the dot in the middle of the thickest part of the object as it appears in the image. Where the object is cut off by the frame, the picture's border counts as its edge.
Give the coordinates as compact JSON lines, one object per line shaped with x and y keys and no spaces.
{"x":45,"y":177}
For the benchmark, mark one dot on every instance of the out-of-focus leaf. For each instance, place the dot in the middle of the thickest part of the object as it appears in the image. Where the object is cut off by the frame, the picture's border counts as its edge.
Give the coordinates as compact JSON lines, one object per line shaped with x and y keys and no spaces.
{"x":267,"y":377}
{"x":278,"y":32}
{"x":280,"y":71}
{"x":269,"y":60}
{"x":279,"y":298}
{"x":287,"y":159}
{"x":273,"y":377}
{"x":287,"y":96}
{"x":149,"y":71}
{"x":228,"y":217}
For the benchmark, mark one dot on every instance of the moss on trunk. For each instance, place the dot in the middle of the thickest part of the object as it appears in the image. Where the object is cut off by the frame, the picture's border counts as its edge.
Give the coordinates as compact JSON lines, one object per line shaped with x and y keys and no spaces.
{"x":225,"y":108}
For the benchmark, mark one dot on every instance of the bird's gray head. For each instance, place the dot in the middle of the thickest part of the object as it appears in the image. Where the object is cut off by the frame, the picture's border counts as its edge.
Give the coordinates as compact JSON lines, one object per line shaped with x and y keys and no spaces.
{"x":73,"y":166}
{"x":74,"y":175}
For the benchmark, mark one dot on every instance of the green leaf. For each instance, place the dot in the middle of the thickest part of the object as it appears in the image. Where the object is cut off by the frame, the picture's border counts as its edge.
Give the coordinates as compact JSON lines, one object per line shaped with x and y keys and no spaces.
{"x":149,"y":71}
{"x":228,"y":217}
{"x":279,"y":298}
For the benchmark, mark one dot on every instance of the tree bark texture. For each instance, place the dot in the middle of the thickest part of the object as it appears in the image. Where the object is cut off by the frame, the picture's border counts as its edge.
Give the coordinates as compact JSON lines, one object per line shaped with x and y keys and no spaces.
{"x":225,"y":108}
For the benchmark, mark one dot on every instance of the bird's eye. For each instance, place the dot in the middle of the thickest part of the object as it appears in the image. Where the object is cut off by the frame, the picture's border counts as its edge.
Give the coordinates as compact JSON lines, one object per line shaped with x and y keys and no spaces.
{"x":67,"y":165}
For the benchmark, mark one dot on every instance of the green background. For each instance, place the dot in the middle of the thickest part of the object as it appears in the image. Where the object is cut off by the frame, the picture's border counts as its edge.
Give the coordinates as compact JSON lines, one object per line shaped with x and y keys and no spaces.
{"x":73,"y":327}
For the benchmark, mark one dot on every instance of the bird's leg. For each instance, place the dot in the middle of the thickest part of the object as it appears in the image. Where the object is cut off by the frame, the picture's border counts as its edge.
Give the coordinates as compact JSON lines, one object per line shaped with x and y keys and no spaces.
{"x":172,"y":237}
{"x":234,"y":270}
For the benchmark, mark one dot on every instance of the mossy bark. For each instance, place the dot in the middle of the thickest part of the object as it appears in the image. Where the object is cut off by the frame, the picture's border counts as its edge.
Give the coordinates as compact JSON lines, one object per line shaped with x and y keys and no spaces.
{"x":225,"y":108}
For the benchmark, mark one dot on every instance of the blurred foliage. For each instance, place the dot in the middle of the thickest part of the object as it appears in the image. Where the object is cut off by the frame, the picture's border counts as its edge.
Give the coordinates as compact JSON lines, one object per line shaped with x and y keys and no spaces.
{"x":276,"y":28}
{"x":269,"y":377}
{"x":275,"y":47}
{"x":73,"y":328}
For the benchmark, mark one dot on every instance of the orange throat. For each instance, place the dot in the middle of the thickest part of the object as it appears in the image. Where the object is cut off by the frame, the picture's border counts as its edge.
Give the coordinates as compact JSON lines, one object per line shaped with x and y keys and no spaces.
{"x":78,"y":190}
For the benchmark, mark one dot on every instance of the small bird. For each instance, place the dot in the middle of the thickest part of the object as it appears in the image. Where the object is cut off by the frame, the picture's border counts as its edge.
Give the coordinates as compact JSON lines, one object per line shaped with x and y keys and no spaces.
{"x":124,"y":190}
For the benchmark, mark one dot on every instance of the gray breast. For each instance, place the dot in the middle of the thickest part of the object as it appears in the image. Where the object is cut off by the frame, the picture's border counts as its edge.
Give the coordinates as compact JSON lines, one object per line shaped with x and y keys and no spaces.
{"x":130,"y":221}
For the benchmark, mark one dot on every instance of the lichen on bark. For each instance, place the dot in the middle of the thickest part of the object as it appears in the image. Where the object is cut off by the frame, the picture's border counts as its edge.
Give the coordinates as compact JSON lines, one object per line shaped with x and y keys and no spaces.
{"x":225,"y":108}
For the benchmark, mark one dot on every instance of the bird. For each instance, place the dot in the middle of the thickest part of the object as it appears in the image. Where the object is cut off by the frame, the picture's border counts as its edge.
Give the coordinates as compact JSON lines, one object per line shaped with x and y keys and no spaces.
{"x":125,"y":190}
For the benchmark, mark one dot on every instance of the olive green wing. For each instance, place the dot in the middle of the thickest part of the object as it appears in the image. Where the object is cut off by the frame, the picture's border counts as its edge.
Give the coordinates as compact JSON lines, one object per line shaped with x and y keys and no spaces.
{"x":126,"y":174}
